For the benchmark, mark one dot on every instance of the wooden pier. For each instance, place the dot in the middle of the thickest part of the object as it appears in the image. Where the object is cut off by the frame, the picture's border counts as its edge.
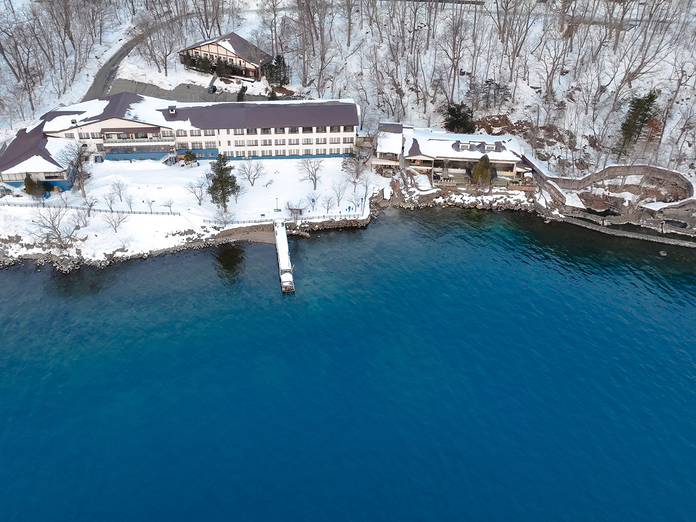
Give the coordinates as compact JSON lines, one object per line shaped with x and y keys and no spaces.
{"x":287,"y":284}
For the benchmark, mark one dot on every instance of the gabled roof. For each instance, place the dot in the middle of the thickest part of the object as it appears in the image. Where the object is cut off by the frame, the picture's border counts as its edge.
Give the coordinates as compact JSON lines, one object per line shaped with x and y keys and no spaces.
{"x":439,"y":144}
{"x":115,"y":106}
{"x":32,"y":151}
{"x":237,"y":45}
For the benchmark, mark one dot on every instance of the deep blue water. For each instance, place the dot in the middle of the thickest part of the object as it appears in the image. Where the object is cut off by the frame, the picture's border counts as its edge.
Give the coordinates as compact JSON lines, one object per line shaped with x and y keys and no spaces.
{"x":440,"y":365}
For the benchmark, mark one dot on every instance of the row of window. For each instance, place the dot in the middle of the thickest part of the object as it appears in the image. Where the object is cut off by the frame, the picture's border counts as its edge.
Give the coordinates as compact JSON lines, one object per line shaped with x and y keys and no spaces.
{"x":288,"y":152}
{"x":237,"y":154}
{"x":237,"y":132}
{"x":223,"y":58}
{"x":291,"y":141}
{"x":12,"y":177}
{"x":196,"y":145}
{"x":266,"y":143}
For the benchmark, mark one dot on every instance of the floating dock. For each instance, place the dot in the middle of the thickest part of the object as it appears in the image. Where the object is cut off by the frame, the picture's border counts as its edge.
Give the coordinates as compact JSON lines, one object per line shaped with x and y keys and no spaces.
{"x":287,"y":284}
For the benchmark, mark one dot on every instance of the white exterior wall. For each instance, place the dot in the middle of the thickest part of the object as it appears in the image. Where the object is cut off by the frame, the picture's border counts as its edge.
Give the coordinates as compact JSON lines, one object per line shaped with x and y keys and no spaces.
{"x":215,"y":51}
{"x":225,"y":139}
{"x":234,"y":145}
{"x":97,"y":126}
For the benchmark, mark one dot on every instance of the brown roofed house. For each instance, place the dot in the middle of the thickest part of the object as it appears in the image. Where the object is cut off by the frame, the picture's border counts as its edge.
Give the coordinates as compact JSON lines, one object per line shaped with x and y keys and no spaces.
{"x":240,"y":57}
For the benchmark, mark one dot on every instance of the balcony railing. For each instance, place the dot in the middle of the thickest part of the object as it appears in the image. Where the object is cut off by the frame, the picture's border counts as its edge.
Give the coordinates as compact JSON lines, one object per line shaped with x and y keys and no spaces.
{"x":115,"y":141}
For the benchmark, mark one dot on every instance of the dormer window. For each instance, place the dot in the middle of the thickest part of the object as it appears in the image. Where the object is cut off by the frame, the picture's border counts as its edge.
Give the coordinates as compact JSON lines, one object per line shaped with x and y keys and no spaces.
{"x":172,"y":109}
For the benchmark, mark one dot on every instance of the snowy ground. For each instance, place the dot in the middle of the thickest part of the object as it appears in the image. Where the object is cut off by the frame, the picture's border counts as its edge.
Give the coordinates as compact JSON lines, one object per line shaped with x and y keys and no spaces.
{"x":136,"y":69}
{"x":150,"y":180}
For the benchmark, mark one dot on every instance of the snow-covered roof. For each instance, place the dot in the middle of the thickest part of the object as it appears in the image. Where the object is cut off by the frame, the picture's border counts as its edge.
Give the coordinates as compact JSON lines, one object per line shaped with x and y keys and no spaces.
{"x":35,"y":163}
{"x":389,"y":142}
{"x":33,"y":151}
{"x":438,"y":143}
{"x":204,"y":115}
{"x":301,"y":113}
{"x":81,"y":113}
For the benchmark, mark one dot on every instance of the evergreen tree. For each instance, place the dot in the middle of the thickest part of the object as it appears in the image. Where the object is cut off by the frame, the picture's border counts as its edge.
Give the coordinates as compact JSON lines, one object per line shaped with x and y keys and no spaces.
{"x":641,"y":110}
{"x":222,"y":184}
{"x":189,"y":157}
{"x":273,"y":96}
{"x":242,"y":93}
{"x":31,"y":187}
{"x":459,"y":118}
{"x":481,"y":175}
{"x":277,"y":72}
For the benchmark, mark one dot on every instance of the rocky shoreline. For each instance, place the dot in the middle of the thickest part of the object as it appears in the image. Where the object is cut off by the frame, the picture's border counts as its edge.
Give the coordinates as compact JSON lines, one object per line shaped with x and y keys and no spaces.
{"x":499,"y":201}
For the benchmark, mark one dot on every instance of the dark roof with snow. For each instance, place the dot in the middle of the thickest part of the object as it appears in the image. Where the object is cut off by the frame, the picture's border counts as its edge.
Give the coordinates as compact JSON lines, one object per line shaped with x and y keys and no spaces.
{"x":396,"y":128}
{"x":238,"y":45}
{"x":24,"y":146}
{"x":267,"y":114}
{"x":117,"y":107}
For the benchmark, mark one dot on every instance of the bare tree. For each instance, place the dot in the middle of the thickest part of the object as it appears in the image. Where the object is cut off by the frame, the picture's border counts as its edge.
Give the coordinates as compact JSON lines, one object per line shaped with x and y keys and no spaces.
{"x":76,"y":162}
{"x":168,"y":204}
{"x":338,"y":189}
{"x":129,"y":202}
{"x":198,"y":189}
{"x":63,"y":196}
{"x":82,"y":217}
{"x":270,"y":12}
{"x":238,"y":190}
{"x":224,"y":217}
{"x":312,"y":199}
{"x":54,"y":226}
{"x":355,"y":199}
{"x":366,"y":182}
{"x":328,"y":203}
{"x":118,"y":187}
{"x":114,"y":220}
{"x":110,"y":199}
{"x":354,"y":167}
{"x":207,"y":16}
{"x":251,"y":170}
{"x":149,"y":203}
{"x":311,"y":168}
{"x":89,"y":202}
{"x":163,"y":37}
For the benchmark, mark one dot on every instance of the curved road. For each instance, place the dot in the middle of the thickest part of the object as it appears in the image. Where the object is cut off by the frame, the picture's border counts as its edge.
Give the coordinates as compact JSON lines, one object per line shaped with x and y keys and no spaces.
{"x":107,"y":74}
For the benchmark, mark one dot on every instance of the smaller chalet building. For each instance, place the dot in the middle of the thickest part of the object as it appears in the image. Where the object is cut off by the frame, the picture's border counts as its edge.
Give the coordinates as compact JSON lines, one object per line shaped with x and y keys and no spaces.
{"x":449,"y":158}
{"x":243,"y":57}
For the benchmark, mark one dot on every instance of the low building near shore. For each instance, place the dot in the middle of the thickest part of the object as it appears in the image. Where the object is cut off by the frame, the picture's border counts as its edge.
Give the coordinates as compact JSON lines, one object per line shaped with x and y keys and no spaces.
{"x":447,"y":157}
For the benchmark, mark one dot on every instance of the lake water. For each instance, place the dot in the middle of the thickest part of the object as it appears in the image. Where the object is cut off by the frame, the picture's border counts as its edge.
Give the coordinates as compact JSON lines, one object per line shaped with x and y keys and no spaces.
{"x":437,"y":365}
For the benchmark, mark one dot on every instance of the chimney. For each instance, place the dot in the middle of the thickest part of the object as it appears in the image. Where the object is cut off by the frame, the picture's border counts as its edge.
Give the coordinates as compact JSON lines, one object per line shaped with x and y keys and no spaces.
{"x":172,"y":109}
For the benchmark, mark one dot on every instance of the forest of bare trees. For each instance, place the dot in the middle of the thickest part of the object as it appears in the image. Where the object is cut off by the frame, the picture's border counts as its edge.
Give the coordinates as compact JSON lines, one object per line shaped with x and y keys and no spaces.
{"x":563,"y":72}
